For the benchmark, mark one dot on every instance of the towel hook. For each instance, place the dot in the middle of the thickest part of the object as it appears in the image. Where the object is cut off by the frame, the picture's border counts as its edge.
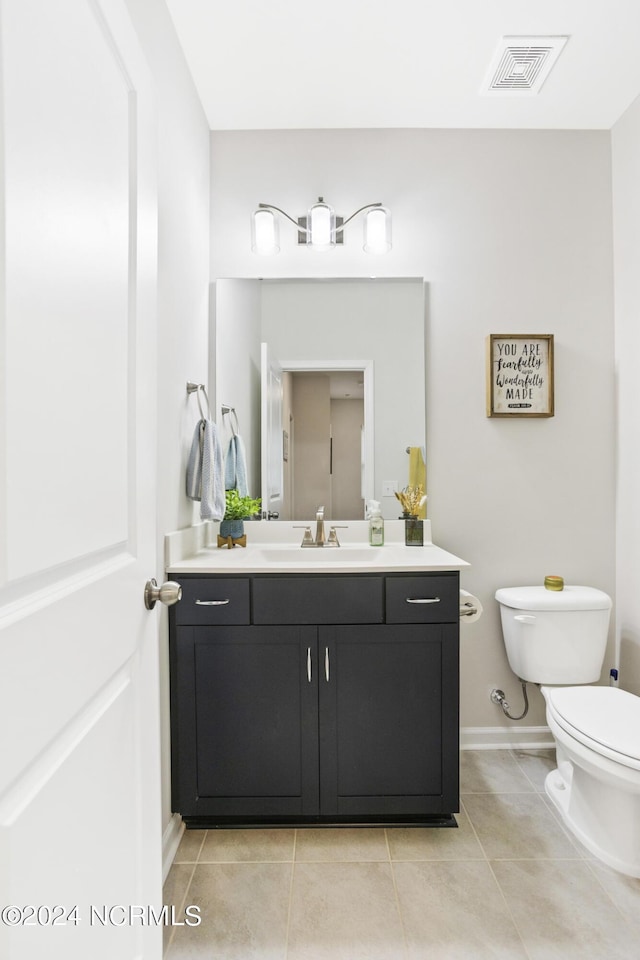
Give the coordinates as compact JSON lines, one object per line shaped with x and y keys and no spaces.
{"x":196,"y":388}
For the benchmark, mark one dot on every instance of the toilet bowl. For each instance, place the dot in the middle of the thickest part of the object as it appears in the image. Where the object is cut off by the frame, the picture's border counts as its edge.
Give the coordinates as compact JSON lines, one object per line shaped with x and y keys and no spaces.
{"x":596,"y":785}
{"x":558,"y":640}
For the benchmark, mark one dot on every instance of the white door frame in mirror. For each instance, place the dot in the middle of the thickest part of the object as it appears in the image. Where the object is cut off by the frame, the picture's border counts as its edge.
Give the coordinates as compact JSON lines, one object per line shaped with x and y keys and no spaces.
{"x":336,"y":366}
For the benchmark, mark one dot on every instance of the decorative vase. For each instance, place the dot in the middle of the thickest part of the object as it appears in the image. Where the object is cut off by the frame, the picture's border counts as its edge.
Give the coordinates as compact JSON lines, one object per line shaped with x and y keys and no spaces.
{"x":413,"y":531}
{"x":232,"y":528}
{"x":231,"y":533}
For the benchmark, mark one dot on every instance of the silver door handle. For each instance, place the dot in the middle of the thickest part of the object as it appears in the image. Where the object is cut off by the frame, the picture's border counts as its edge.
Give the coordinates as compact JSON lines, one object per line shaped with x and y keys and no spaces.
{"x":169,"y":593}
{"x":421,"y":600}
{"x":309,"y":664}
{"x":212,"y":603}
{"x":326,"y":664}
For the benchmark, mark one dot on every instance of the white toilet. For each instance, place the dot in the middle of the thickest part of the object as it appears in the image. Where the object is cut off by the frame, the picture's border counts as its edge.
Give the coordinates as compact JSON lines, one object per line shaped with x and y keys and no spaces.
{"x":555,"y":638}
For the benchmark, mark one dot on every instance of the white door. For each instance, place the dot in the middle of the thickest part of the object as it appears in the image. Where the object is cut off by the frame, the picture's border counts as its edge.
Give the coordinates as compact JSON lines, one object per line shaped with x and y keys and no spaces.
{"x":79,"y":757}
{"x":271,"y":429}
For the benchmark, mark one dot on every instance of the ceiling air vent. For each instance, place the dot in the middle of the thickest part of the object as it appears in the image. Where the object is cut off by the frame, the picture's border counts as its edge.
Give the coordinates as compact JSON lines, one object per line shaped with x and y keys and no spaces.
{"x":521,"y":65}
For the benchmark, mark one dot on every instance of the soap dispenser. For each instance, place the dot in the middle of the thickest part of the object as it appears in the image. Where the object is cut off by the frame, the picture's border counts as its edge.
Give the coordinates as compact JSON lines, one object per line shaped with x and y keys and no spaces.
{"x":376,"y":524}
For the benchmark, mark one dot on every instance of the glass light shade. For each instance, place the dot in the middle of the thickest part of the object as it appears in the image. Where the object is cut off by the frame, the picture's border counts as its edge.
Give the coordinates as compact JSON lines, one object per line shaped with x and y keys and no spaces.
{"x":321,"y":226}
{"x":377,"y":230}
{"x":264,"y":232}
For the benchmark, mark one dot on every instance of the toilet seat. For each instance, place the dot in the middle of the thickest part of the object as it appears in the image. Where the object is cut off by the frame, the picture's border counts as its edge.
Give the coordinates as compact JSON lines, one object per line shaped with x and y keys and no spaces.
{"x":605,"y":719}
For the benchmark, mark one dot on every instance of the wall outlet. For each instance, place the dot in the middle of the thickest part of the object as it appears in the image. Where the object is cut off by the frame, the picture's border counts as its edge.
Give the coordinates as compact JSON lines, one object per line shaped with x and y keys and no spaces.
{"x":389,"y":488}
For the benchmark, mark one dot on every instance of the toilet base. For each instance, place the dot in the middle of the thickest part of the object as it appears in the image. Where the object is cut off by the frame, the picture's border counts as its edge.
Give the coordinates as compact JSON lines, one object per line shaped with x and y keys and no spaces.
{"x":599,"y":802}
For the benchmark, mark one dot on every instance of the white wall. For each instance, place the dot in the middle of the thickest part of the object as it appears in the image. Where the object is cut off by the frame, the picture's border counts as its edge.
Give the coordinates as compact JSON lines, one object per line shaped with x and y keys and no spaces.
{"x":183,"y":288}
{"x":626,"y":209}
{"x":513,"y":232}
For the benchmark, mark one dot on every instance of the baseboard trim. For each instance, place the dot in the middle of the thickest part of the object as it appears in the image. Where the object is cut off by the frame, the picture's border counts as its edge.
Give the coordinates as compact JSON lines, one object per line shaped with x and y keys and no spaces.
{"x":170,"y":843}
{"x":505,"y":738}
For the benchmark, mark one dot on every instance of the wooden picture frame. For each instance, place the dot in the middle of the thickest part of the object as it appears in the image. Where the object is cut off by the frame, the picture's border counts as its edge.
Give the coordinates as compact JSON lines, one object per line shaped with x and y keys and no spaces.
{"x":520,"y":375}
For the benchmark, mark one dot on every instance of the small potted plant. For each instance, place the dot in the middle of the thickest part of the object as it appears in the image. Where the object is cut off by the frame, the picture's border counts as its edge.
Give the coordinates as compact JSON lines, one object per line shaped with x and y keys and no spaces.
{"x":237,"y":510}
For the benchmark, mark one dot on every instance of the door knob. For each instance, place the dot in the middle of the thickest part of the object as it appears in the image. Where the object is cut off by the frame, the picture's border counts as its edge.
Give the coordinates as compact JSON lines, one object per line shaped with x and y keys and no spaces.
{"x":169,"y":593}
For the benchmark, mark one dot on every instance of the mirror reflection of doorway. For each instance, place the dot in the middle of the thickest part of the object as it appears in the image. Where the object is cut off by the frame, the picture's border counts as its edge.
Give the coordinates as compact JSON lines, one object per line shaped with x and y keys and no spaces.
{"x":325,"y":457}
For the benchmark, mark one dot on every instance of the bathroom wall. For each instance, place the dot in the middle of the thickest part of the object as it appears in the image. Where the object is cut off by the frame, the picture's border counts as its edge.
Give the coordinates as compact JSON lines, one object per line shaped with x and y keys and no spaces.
{"x":626,"y":210}
{"x":512,"y":230}
{"x":183,"y":290}
{"x":234,"y":372}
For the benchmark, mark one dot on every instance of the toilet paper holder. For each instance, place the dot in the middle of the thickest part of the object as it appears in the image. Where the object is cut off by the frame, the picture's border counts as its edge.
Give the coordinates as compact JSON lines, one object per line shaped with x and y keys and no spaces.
{"x":470,"y":608}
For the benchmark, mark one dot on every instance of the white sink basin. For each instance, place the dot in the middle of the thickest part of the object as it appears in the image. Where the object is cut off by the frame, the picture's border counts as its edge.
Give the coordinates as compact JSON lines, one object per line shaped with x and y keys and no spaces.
{"x":344,"y":554}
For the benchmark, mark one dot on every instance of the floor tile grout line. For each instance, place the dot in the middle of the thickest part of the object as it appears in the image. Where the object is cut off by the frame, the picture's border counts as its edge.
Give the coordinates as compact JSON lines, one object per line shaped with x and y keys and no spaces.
{"x":235,"y":860}
{"x":524,"y":773}
{"x":388,"y":844}
{"x":475,"y":832}
{"x":509,"y":910}
{"x":506,"y":793}
{"x":568,"y":833}
{"x":593,"y":865}
{"x":547,"y":806}
{"x":188,"y":886}
{"x":181,"y":908}
{"x":290,"y":906}
{"x":397,"y":896}
{"x":201,"y":847}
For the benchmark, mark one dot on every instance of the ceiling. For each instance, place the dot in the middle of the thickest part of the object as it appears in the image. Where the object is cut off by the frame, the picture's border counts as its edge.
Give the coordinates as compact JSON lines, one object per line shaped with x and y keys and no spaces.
{"x":291,"y":64}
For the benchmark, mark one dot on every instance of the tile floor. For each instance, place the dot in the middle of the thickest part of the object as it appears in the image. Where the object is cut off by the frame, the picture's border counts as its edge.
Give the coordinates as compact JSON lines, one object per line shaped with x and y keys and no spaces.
{"x":508,"y":884}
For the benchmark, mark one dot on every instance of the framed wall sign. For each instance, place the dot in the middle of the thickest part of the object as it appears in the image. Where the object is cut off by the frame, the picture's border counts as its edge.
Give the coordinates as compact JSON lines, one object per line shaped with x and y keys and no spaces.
{"x":520,"y":375}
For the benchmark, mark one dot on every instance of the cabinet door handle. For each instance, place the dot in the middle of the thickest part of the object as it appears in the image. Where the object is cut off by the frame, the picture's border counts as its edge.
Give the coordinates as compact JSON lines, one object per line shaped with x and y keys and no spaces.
{"x":212,"y":603}
{"x":309,"y":664}
{"x":326,"y":664}
{"x":423,"y":600}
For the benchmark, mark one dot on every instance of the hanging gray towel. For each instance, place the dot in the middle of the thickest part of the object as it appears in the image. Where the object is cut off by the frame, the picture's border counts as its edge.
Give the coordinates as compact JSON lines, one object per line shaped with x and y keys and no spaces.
{"x":205,"y":480}
{"x":235,"y":477}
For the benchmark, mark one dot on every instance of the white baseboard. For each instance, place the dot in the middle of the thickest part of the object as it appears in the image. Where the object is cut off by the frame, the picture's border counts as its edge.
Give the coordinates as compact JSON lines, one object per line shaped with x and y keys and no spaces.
{"x":170,"y":843}
{"x":505,"y":738}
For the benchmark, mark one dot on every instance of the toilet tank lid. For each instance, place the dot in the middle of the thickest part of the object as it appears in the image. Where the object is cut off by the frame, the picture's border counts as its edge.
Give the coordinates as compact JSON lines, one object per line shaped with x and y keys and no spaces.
{"x":539,"y":598}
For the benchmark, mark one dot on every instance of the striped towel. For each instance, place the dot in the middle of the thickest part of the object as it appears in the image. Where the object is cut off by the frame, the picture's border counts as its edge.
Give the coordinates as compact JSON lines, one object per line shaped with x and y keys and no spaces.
{"x":205,"y":480}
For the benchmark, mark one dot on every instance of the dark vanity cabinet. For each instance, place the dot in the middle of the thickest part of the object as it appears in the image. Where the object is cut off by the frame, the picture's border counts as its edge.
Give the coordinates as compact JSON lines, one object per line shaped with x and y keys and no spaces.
{"x":310,"y":698}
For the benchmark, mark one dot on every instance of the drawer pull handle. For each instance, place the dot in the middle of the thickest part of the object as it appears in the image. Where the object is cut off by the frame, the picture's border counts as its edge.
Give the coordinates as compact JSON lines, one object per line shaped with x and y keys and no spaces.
{"x":326,"y":664}
{"x":309,"y":664}
{"x":211,"y":603}
{"x":423,"y":600}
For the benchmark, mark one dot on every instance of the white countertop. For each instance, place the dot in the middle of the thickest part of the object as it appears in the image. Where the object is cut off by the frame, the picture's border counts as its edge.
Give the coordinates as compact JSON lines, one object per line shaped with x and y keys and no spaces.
{"x":275,"y":548}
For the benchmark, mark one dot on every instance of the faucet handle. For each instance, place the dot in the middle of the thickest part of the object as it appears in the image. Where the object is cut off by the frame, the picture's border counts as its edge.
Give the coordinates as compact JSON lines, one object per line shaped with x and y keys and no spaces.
{"x":332,"y":539}
{"x":307,"y":538}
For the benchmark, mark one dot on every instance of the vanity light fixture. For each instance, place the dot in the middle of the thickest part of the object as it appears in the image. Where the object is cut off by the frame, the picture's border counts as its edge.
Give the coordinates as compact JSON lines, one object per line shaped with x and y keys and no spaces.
{"x":320,"y":229}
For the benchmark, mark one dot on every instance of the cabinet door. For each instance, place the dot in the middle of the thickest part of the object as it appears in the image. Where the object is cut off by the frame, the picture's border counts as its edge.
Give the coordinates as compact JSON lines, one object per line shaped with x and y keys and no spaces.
{"x":246,"y":744}
{"x":389,"y":720}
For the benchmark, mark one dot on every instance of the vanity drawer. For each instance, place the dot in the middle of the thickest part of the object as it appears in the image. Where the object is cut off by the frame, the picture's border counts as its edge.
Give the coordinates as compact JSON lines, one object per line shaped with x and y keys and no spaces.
{"x":318,"y":599}
{"x":214,"y":600}
{"x":432,"y":599}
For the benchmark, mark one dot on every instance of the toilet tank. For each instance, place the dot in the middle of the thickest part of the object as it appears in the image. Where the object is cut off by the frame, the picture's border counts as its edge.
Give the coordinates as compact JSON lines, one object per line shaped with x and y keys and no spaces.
{"x":555,"y":637}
